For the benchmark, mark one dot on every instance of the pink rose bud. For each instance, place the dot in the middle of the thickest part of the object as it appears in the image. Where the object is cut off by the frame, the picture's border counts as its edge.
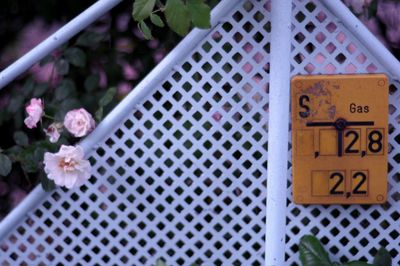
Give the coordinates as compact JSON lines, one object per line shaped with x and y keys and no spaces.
{"x":130,"y":73}
{"x":159,"y":55}
{"x":79,"y":122}
{"x":388,"y":13}
{"x":357,"y":5}
{"x":35,"y":112}
{"x":103,"y":82}
{"x":123,"y":22}
{"x":53,"y":132}
{"x":123,"y":89}
{"x":373,"y":24}
{"x":393,"y":36}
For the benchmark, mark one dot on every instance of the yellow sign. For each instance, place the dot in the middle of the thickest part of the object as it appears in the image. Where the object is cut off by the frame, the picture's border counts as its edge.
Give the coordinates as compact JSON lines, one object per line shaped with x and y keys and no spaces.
{"x":340,"y":128}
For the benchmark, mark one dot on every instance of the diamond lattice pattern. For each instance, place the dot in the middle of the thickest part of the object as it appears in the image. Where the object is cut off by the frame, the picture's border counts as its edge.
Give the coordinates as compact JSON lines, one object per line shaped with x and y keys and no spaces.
{"x":321,"y":45}
{"x":183,"y":176}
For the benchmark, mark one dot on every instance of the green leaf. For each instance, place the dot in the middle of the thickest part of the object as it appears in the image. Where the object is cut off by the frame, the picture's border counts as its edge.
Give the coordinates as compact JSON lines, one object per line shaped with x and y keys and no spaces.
{"x":160,"y":262}
{"x":142,"y":9}
{"x":31,"y":157}
{"x":62,"y":67}
{"x":382,"y":258}
{"x":14,"y":153}
{"x":66,"y":88}
{"x":47,"y":184}
{"x":312,"y":253}
{"x":18,"y":119}
{"x":199,"y":13}
{"x":28,"y":87}
{"x":107,"y":97}
{"x":89,"y":39}
{"x":145,"y":30}
{"x":5,"y":165}
{"x":15,"y":103}
{"x":177,"y":15}
{"x":372,"y":9}
{"x":21,"y":138}
{"x":98,"y":115}
{"x":28,"y":161}
{"x":75,"y":56}
{"x":356,"y":263}
{"x":40,"y":89}
{"x":47,"y":59}
{"x":38,"y":154}
{"x":91,"y":82}
{"x":156,"y":20}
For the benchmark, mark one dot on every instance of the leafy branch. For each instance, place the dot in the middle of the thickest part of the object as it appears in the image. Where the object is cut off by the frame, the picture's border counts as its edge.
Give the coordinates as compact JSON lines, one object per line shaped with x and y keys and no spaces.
{"x":178,"y":14}
{"x":312,"y":253}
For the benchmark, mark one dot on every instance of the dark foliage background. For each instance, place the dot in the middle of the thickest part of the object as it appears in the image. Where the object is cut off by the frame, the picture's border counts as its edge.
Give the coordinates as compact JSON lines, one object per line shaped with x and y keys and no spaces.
{"x":120,"y":59}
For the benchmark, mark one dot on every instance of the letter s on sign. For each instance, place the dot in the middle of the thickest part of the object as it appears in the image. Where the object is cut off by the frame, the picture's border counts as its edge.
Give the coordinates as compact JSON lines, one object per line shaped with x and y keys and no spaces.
{"x":302,"y":102}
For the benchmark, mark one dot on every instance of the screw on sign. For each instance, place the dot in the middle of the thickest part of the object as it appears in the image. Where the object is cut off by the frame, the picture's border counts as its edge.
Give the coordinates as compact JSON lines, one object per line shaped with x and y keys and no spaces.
{"x":340,"y":127}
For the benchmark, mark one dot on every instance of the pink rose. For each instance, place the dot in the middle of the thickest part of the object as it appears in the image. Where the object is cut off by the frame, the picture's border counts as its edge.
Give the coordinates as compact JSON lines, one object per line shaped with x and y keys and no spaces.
{"x":373,"y":25}
{"x":67,"y":167}
{"x":130,"y":73}
{"x":358,"y":6}
{"x":103,"y":82}
{"x":79,"y":122}
{"x":388,"y":13}
{"x":159,"y":55}
{"x":123,"y":89}
{"x":46,"y":73}
{"x":16,"y":196}
{"x":123,"y":22}
{"x":35,"y":112}
{"x":53,"y":132}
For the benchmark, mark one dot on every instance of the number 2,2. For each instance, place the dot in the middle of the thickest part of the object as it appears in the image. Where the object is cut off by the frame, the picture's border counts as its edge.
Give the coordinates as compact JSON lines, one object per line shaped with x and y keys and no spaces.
{"x":359,"y":183}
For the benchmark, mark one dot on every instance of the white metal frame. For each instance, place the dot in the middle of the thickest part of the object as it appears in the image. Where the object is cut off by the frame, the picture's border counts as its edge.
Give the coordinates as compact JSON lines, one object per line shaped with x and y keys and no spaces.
{"x":278,"y":128}
{"x":279,"y":98}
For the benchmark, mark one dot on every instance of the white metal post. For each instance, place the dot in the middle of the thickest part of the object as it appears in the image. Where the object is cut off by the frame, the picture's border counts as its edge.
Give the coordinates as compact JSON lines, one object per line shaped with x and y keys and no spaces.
{"x":278,"y":127}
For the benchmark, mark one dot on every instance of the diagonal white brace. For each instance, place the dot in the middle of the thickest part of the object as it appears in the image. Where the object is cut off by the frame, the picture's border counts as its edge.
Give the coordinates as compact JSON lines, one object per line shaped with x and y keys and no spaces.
{"x":55,"y":40}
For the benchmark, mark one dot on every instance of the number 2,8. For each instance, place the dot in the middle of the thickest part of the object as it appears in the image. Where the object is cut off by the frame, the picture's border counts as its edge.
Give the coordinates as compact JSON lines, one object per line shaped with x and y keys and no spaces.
{"x":374,"y":141}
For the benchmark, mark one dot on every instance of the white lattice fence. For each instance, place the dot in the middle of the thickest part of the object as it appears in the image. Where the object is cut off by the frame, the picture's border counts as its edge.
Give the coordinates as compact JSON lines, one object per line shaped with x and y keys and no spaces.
{"x":183,"y":176}
{"x":322,"y":45}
